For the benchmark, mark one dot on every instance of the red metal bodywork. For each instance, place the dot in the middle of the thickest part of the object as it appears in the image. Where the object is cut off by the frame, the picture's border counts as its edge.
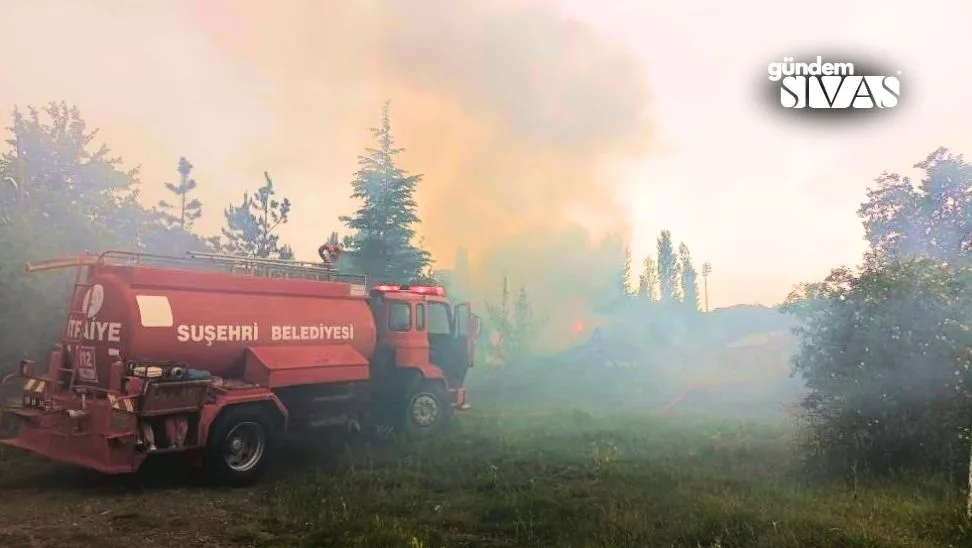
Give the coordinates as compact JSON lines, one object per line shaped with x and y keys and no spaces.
{"x":254,"y":335}
{"x":208,"y":319}
{"x":281,"y":366}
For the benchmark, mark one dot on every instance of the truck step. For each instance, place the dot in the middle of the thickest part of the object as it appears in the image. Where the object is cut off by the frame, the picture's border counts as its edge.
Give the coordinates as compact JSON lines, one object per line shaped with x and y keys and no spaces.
{"x":164,"y":450}
{"x":333,"y":398}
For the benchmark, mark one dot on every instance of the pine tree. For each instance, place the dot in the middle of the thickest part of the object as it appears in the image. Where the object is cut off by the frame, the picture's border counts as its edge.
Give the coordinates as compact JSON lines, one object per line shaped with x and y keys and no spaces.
{"x":625,"y":275}
{"x":250,"y":226}
{"x":383,"y":226}
{"x":690,"y":284}
{"x":186,"y":211}
{"x":667,"y":269}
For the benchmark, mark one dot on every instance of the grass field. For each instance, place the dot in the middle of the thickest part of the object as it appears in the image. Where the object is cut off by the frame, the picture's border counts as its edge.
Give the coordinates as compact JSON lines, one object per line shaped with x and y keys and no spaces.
{"x":531,"y":480}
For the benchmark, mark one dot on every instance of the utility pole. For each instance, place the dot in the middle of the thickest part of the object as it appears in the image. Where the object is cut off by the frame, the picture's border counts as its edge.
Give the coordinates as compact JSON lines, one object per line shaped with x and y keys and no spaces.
{"x":706,"y":270}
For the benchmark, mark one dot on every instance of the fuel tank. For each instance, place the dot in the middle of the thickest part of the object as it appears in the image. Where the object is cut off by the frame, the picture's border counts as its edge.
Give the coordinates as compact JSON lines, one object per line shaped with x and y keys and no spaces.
{"x":208,"y":319}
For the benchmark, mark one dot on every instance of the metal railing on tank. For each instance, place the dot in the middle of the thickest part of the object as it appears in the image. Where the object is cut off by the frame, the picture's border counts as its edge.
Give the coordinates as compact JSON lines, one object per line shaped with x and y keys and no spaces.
{"x":235,"y":264}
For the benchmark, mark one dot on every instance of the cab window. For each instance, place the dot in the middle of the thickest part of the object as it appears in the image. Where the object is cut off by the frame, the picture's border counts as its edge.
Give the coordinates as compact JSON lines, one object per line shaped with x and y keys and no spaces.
{"x":399,"y":317}
{"x":439,"y":321}
{"x":420,"y":317}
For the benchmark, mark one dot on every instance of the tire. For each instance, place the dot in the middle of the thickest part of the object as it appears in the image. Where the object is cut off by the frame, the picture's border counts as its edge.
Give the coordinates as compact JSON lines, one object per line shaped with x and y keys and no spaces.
{"x":427,"y":410}
{"x":239,"y":446}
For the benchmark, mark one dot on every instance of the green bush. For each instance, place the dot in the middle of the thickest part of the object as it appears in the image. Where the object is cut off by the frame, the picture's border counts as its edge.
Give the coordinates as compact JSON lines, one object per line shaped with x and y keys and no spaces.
{"x":885,"y":353}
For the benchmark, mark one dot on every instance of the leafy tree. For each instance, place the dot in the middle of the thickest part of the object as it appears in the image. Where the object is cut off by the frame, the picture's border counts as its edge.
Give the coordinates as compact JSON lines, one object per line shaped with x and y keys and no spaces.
{"x":887,"y":357}
{"x":383,"y":226}
{"x":648,"y":281}
{"x":668,"y":275}
{"x":61,"y":195}
{"x":250,"y":226}
{"x":502,"y":323}
{"x":187,"y":210}
{"x":689,"y":281}
{"x":932,"y":218}
{"x":515,"y":327}
{"x":525,"y":328}
{"x":885,"y":350}
{"x":62,"y":183}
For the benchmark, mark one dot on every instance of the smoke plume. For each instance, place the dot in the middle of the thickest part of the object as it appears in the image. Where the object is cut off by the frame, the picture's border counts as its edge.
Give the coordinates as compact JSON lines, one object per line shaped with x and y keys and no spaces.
{"x":508,"y":109}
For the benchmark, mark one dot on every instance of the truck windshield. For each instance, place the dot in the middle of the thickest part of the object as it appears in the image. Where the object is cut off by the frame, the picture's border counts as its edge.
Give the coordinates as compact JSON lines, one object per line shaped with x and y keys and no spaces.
{"x":439,"y":321}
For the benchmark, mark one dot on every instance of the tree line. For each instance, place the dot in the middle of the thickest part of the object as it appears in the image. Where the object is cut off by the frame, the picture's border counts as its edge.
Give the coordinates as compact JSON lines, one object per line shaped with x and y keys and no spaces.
{"x":886,"y":347}
{"x":61,"y":194}
{"x":670,"y":277}
{"x":666,"y":293}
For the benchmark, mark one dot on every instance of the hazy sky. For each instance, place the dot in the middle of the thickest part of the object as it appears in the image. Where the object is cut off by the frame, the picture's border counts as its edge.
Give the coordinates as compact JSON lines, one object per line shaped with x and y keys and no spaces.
{"x":639,"y":115}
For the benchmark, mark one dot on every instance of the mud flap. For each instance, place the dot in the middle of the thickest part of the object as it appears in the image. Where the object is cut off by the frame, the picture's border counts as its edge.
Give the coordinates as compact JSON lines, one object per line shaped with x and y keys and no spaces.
{"x":9,"y":424}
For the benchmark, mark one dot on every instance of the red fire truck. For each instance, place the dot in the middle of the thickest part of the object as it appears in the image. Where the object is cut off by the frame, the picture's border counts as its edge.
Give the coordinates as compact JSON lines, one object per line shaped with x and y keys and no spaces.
{"x":220,"y":356}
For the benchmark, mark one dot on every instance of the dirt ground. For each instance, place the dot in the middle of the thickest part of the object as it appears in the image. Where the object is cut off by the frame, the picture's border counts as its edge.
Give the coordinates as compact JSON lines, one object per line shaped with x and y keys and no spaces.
{"x":47,"y":504}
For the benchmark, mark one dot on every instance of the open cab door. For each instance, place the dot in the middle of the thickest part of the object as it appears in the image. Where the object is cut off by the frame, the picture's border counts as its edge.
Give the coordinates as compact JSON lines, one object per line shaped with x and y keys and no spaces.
{"x":468,"y":327}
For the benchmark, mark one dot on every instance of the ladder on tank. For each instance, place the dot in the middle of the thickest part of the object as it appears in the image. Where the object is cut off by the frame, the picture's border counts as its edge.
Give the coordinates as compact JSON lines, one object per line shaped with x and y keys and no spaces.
{"x":76,"y":316}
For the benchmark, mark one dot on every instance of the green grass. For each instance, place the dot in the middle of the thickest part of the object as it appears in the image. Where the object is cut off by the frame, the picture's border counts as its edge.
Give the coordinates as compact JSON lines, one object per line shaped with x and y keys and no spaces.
{"x":576,"y":480}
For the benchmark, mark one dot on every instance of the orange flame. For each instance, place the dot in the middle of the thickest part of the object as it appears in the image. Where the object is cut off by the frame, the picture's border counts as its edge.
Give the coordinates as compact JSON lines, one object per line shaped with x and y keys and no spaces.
{"x":577,"y":328}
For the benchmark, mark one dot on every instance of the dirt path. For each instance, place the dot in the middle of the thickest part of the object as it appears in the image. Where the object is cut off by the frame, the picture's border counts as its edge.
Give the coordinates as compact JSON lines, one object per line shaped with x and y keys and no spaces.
{"x":45,"y":504}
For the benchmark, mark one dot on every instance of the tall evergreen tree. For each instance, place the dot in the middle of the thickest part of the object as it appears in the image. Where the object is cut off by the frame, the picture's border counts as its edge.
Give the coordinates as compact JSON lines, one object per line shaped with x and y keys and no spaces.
{"x":383,"y":226}
{"x":690,"y":284}
{"x":648,"y":281}
{"x":625,"y":274}
{"x":667,"y":269}
{"x":186,"y":211}
{"x":250,"y":226}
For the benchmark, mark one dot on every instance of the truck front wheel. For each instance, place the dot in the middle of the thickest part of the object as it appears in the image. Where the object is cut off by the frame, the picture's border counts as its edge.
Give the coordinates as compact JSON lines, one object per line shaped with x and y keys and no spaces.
{"x":239,"y":446}
{"x":428,"y":410}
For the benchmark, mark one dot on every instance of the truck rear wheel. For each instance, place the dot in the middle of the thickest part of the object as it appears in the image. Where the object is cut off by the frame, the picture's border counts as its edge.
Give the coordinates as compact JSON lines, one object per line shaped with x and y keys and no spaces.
{"x":239,"y":446}
{"x":428,"y":410}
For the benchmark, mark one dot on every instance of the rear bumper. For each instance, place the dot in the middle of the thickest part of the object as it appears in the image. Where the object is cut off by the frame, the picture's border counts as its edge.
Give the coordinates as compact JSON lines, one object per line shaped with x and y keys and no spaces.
{"x":62,"y":438}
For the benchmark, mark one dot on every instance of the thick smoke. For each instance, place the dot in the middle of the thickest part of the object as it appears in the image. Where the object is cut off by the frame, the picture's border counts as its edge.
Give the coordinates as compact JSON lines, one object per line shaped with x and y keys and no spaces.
{"x":508,"y":109}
